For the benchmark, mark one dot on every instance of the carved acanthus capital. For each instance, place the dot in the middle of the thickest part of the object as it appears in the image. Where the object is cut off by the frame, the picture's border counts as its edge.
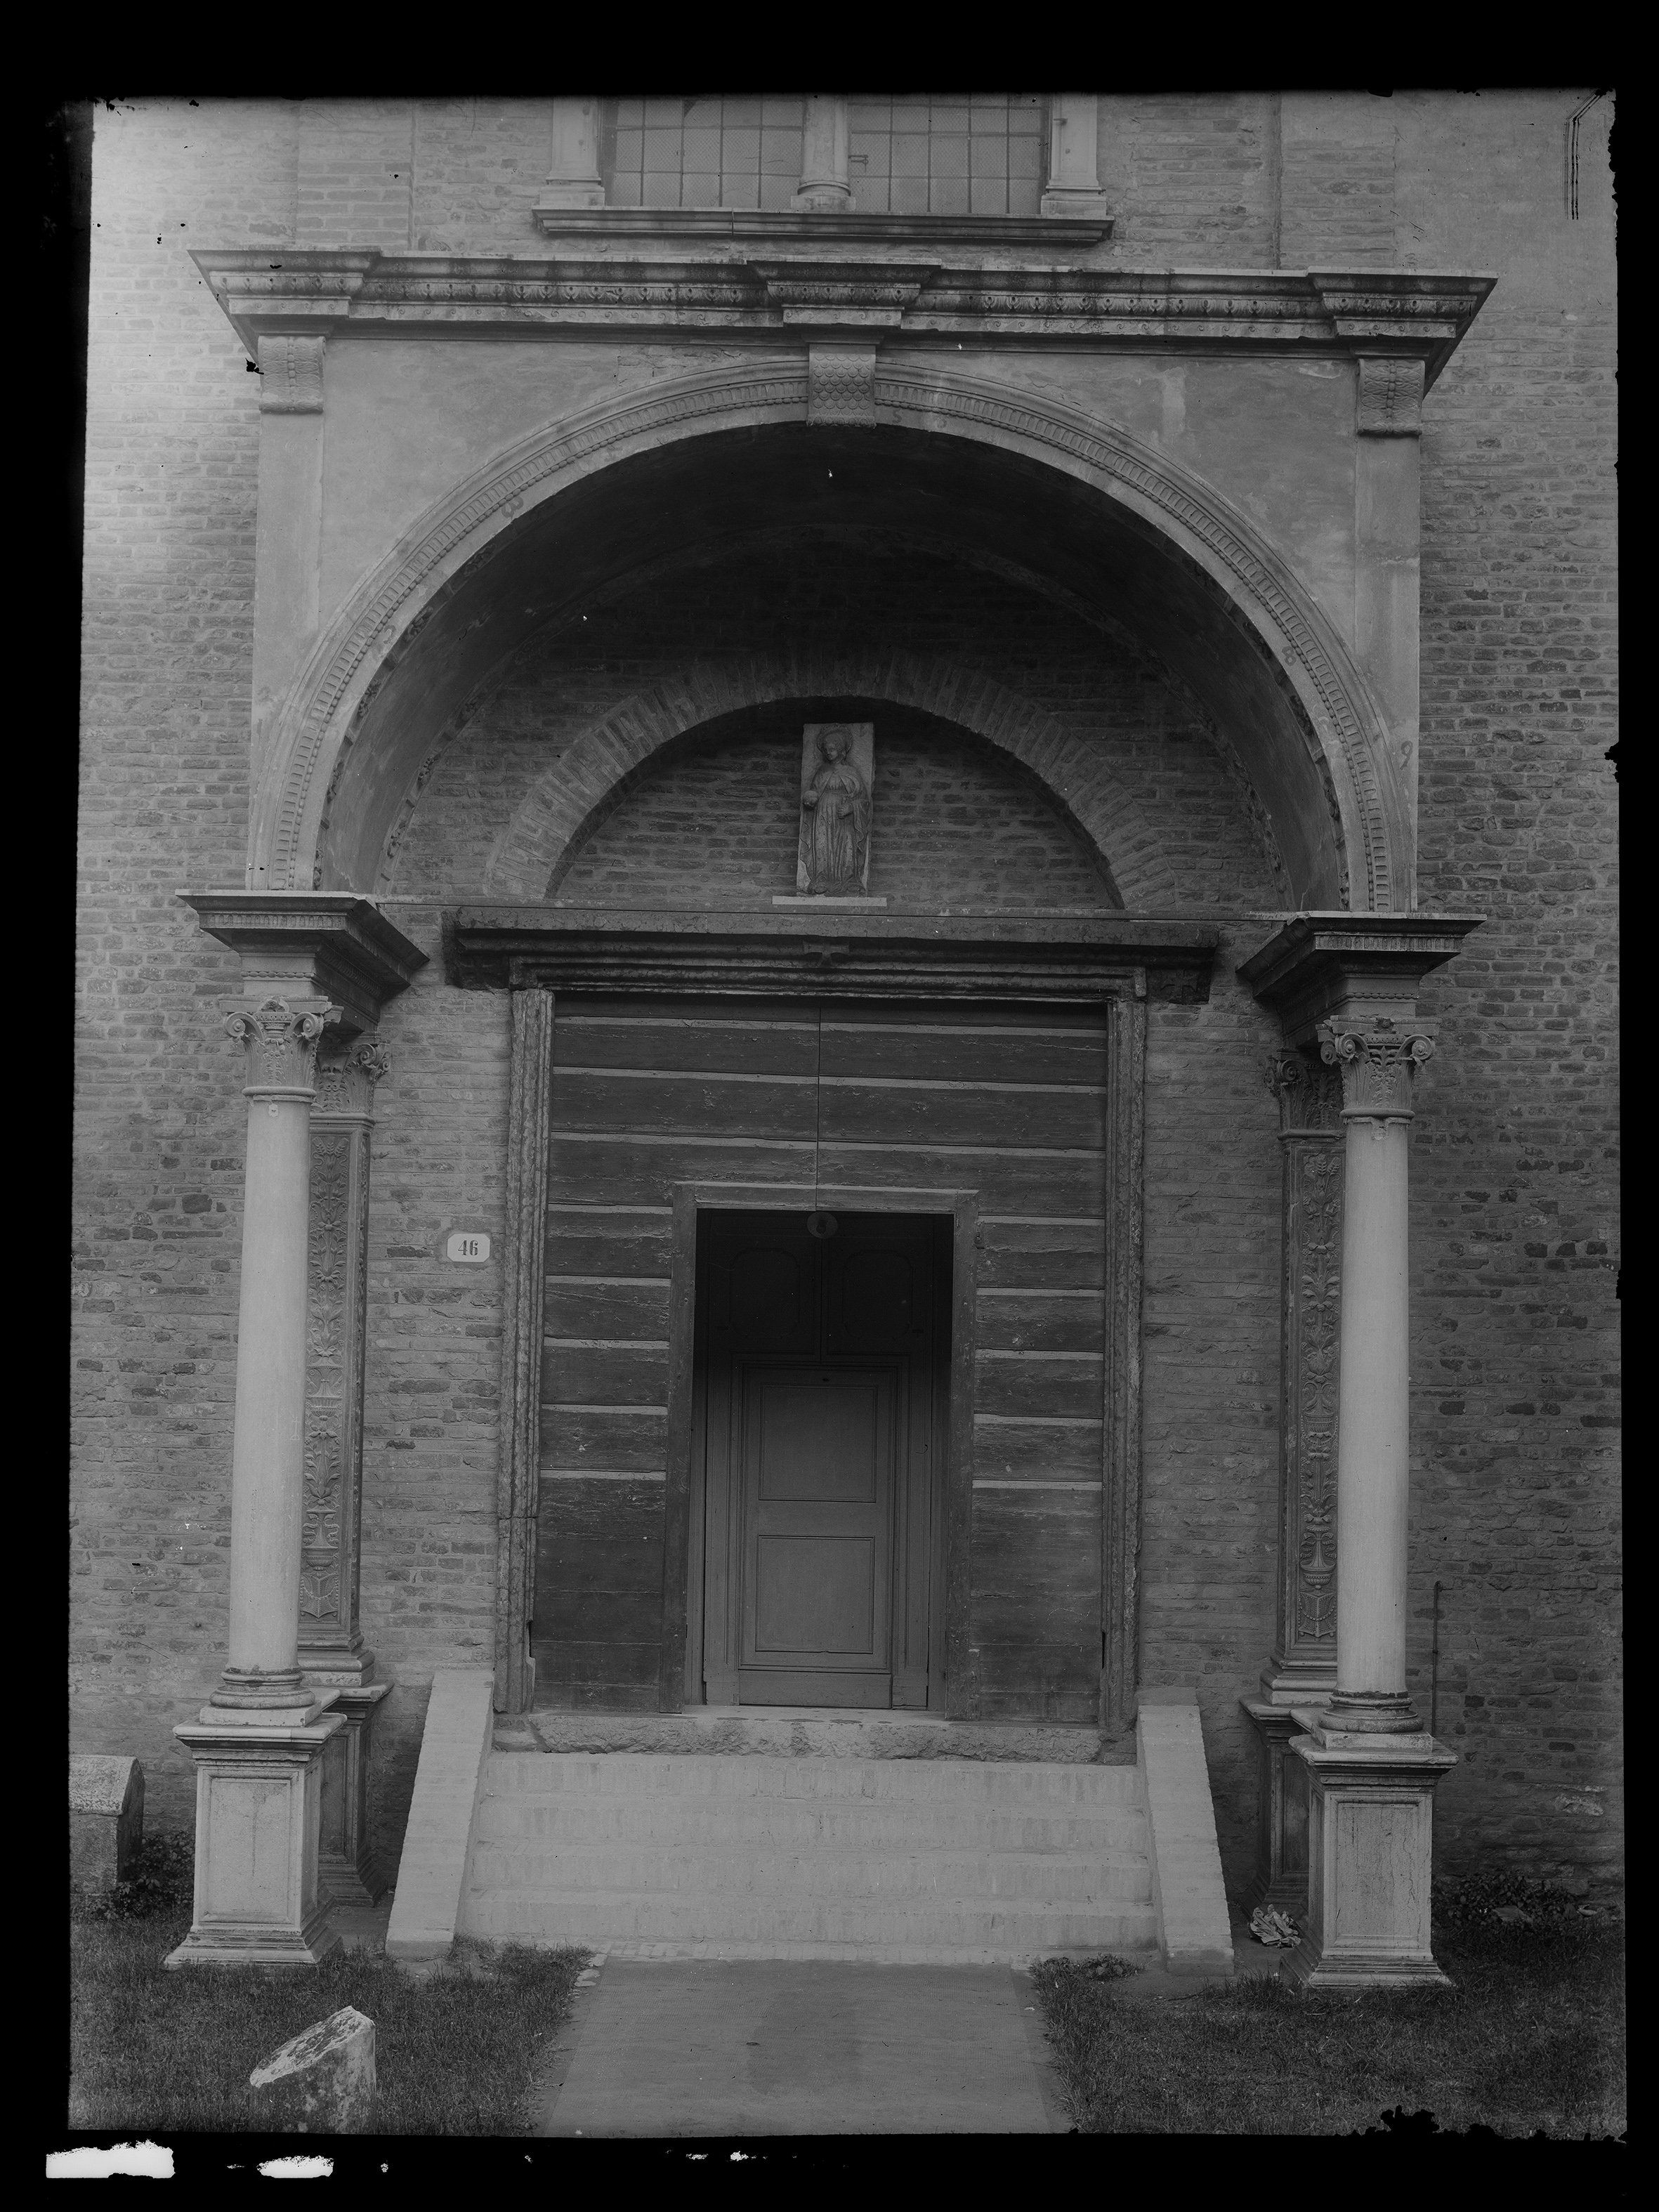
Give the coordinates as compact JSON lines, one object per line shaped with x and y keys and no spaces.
{"x":1310,"y":1094}
{"x":280,"y":1043}
{"x":1376,"y":1064}
{"x":346,"y":1081}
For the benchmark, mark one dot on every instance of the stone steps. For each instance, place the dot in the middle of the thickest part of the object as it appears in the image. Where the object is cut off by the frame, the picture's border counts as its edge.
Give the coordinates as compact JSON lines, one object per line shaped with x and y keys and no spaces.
{"x":571,"y":1819}
{"x":656,"y":1869}
{"x":1049,"y":1788}
{"x":928,"y":1859}
{"x":959,"y":1927}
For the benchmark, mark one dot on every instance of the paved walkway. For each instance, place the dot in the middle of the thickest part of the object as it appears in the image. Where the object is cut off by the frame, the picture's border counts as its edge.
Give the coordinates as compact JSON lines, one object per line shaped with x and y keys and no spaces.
{"x":777,"y":2047}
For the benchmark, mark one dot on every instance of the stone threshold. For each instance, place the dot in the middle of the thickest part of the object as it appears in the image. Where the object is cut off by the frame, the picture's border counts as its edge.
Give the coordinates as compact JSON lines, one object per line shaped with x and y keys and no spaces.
{"x":812,"y":1732}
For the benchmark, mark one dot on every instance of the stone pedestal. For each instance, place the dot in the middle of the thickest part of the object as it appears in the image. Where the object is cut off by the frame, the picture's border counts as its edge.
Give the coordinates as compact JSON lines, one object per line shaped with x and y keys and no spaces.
{"x":1370,"y":1858}
{"x":1281,"y":1863}
{"x":349,"y":1872}
{"x":258,"y":1808}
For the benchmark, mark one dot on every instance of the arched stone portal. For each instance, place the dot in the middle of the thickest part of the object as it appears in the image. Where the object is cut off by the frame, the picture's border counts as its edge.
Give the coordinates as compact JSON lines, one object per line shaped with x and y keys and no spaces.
{"x":1074,"y":503}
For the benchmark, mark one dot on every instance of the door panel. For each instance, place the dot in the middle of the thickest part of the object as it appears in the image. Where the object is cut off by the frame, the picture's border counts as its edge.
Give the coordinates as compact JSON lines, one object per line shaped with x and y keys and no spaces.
{"x":819,"y":1478}
{"x":817,"y":1451}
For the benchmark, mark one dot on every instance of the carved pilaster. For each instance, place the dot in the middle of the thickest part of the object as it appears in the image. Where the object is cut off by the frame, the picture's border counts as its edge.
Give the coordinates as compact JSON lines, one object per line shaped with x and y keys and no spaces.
{"x":528,"y":1107}
{"x":331,"y":1638}
{"x":1311,"y":1137}
{"x":1376,"y":1062}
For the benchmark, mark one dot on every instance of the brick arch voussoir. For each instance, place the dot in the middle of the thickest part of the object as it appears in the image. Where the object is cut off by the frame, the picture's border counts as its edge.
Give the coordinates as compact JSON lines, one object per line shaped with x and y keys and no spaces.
{"x":567,"y":805}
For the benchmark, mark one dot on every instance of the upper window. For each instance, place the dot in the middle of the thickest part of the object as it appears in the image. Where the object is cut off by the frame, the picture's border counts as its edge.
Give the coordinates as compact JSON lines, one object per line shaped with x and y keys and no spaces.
{"x":946,"y":153}
{"x":908,"y":153}
{"x":710,"y":152}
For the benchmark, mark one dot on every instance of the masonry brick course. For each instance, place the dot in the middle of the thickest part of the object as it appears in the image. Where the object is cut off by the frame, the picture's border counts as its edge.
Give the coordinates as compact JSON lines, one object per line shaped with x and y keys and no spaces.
{"x":1516,"y":1508}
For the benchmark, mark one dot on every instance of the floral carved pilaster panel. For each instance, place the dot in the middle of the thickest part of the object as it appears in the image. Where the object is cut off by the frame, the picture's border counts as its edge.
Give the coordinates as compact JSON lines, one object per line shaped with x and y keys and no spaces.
{"x":1310,"y":1095}
{"x":335,"y":1332}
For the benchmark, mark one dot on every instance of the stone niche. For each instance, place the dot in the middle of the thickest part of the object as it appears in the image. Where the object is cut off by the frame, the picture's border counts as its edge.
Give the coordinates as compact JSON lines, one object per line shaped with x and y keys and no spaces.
{"x":106,"y":1820}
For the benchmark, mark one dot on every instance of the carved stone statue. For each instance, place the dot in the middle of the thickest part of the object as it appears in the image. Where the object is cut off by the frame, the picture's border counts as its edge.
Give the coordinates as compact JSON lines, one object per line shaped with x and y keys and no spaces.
{"x":835,"y":810}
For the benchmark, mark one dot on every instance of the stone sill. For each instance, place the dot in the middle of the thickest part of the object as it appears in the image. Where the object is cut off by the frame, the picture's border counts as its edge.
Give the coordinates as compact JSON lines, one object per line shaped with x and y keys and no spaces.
{"x":1055,"y":231}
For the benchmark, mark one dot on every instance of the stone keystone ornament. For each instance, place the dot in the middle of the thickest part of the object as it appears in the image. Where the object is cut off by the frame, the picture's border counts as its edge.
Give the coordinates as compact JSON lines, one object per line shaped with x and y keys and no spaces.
{"x":836,"y":802}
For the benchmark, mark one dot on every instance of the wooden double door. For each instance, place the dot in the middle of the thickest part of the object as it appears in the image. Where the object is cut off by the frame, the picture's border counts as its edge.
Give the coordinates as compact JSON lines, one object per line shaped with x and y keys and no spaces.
{"x":821,"y":1365}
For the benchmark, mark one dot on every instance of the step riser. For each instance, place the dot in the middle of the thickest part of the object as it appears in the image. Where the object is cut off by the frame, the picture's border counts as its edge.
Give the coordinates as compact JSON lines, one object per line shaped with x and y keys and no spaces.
{"x":1045,"y":1788}
{"x":1004,"y":1931}
{"x":576,"y":1821}
{"x":869,"y":1954}
{"x":1070,"y":1879}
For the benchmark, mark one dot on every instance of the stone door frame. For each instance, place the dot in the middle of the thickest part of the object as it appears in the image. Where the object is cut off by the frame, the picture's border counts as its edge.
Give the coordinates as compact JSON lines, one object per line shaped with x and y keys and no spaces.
{"x":1118,"y":964}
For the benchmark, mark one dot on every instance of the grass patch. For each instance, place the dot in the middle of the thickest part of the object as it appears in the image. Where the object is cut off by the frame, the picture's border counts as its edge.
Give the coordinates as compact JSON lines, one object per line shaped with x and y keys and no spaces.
{"x":456,"y":2052}
{"x":1531,"y":2037}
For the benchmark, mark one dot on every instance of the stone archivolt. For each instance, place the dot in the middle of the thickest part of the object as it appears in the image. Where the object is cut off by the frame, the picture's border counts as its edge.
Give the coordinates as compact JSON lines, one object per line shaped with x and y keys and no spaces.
{"x":1338,"y":723}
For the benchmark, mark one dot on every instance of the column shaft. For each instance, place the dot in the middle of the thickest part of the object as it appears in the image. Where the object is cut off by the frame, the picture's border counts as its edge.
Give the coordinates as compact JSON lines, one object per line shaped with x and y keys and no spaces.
{"x":1372,"y":1465}
{"x":267,"y":1477}
{"x":1373,"y":1413}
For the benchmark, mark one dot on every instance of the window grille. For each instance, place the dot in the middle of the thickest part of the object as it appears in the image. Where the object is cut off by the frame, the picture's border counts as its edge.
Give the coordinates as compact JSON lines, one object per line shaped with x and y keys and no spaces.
{"x":937,"y":153}
{"x":977,"y":153}
{"x":703,"y":151}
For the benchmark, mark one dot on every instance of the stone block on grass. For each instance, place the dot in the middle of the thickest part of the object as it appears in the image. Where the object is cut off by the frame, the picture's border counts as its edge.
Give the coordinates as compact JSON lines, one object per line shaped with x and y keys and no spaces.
{"x":322,"y":2081}
{"x":106,"y":1820}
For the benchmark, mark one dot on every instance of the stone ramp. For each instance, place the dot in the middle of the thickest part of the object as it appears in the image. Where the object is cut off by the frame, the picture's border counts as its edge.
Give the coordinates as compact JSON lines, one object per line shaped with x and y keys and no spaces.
{"x":923,"y":1860}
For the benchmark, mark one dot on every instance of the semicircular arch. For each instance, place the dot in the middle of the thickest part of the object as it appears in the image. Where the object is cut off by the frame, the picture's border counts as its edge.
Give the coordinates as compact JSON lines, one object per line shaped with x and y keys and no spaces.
{"x":1328,"y":733}
{"x":577,"y":792}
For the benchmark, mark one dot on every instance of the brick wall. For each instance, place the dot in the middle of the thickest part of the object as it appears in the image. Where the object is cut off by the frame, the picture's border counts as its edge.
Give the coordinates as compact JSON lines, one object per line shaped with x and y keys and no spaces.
{"x":1516,"y":1500}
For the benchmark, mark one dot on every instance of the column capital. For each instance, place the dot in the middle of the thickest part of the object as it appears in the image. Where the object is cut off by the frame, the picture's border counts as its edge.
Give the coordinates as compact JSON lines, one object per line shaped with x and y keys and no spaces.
{"x":280,"y":1040}
{"x":346,"y":1079}
{"x":1350,"y":969}
{"x":1310,"y":1095}
{"x":1376,"y":1062}
{"x":300,"y":945}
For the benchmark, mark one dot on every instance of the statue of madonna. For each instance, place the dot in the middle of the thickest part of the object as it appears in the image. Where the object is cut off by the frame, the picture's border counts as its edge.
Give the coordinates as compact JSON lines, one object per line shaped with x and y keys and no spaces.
{"x":836,"y":833}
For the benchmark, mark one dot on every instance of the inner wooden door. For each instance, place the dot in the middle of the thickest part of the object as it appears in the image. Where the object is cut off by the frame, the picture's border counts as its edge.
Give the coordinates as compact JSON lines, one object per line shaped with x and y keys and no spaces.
{"x":823,"y":1427}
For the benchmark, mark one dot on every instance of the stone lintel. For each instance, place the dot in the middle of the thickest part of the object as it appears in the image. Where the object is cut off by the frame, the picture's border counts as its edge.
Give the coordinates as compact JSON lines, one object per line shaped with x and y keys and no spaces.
{"x":1062,"y":231}
{"x":328,"y":946}
{"x":837,"y":954}
{"x":1353,"y":967}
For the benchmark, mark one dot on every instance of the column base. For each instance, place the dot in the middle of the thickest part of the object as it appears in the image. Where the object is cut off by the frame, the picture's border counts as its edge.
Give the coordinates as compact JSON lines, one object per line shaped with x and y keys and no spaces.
{"x":348,"y":1871}
{"x":259,"y":1800}
{"x":559,"y":198}
{"x":1077,"y":201}
{"x":1370,"y":1858}
{"x":824,"y":199}
{"x":1280,"y":1882}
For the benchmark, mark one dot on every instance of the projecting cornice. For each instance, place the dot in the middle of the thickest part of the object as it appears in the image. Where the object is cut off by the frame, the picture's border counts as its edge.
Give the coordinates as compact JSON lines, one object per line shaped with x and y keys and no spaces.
{"x":1408,"y":315}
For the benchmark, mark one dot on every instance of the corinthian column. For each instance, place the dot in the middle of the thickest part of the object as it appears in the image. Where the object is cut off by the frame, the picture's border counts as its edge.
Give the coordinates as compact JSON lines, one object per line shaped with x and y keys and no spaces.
{"x":1377,"y":1065}
{"x":262,"y":1679}
{"x":1344,"y":986}
{"x":259,"y":1743}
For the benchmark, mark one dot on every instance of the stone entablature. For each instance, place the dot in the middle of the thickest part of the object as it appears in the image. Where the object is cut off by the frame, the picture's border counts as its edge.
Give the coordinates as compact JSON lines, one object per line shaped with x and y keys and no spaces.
{"x":1409,"y":314}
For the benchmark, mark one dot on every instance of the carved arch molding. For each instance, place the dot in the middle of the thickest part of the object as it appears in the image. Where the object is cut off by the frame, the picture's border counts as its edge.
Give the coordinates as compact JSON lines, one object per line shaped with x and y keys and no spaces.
{"x":320,"y":740}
